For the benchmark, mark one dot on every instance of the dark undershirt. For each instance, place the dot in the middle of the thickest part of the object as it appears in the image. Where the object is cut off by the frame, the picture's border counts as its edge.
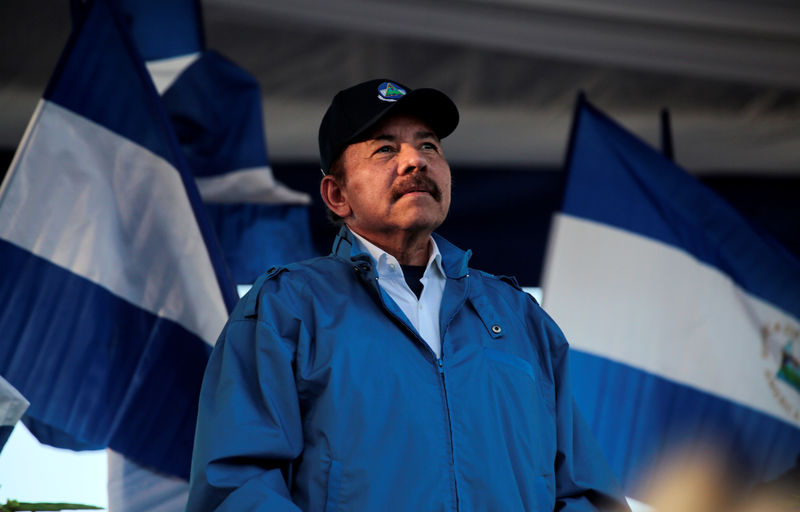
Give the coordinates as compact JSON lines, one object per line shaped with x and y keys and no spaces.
{"x":412,"y":275}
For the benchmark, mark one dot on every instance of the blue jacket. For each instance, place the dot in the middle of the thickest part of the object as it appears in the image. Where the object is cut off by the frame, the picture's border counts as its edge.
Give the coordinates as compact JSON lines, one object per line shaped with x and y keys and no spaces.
{"x":321,"y":396}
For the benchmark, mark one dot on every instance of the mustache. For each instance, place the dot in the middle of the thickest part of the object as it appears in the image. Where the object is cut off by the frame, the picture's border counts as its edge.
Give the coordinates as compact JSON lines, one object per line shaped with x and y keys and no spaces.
{"x":417,"y":183}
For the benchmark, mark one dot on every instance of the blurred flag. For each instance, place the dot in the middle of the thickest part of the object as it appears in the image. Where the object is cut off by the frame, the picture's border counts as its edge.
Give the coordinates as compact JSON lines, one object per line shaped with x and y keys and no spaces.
{"x":116,"y":287}
{"x":12,"y":407}
{"x":168,"y":35}
{"x":163,"y":29}
{"x":684,"y":319}
{"x":215,"y":109}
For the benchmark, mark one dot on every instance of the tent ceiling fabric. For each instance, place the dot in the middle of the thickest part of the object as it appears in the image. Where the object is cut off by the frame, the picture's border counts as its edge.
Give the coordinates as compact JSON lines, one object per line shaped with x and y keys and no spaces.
{"x":756,"y":42}
{"x":728,"y":71}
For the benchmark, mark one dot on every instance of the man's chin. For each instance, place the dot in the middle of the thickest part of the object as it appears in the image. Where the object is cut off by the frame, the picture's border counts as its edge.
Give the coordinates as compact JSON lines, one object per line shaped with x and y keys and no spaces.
{"x":423,"y":221}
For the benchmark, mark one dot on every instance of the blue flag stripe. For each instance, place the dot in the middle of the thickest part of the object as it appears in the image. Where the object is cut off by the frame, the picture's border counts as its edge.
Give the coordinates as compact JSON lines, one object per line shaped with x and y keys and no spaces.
{"x":5,"y":433}
{"x":80,"y":358}
{"x":165,"y":29}
{"x":659,"y":414}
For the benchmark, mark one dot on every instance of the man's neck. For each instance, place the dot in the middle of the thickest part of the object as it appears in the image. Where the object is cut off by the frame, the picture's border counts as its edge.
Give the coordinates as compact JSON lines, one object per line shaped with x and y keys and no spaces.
{"x":408,"y":248}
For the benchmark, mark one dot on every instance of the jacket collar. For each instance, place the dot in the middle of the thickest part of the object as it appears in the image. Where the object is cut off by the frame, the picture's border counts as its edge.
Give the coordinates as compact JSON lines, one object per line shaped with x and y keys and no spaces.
{"x":454,"y":260}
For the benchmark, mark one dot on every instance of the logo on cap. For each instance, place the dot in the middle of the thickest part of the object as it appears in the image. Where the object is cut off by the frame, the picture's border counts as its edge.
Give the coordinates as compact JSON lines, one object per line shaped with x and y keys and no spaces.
{"x":388,"y":91}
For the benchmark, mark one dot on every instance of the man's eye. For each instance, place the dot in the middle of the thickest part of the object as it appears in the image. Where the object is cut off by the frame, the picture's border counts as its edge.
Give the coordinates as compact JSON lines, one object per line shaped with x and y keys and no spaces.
{"x":385,"y":149}
{"x":430,"y":145}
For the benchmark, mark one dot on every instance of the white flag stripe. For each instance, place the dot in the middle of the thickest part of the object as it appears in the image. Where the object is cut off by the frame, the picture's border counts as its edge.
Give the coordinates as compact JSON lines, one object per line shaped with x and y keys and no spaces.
{"x":254,"y":185}
{"x":12,"y":404}
{"x":663,"y":311}
{"x":90,"y":201}
{"x":164,"y":72}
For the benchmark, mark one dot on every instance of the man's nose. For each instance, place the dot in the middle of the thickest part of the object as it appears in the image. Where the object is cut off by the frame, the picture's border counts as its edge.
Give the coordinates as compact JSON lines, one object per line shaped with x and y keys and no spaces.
{"x":411,"y":160}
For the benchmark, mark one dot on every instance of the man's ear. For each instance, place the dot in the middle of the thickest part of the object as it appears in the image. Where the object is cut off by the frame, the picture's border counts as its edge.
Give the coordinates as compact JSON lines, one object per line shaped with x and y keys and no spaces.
{"x":334,"y":196}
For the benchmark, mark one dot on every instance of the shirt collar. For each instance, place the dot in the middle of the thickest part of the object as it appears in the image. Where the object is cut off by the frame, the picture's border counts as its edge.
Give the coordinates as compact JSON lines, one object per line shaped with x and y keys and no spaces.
{"x":388,"y":266}
{"x":454,"y":261}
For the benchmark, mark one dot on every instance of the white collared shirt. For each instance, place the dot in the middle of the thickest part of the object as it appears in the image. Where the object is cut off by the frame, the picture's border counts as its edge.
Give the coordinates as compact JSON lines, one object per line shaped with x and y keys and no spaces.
{"x":423,"y":313}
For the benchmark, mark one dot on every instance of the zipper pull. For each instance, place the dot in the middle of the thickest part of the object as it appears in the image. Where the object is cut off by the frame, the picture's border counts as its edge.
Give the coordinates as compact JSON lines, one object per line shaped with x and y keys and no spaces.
{"x":440,"y":364}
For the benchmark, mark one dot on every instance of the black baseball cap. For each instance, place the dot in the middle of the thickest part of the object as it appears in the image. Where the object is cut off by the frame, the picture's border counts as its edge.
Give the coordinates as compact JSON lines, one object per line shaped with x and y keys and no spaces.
{"x":355,"y":110}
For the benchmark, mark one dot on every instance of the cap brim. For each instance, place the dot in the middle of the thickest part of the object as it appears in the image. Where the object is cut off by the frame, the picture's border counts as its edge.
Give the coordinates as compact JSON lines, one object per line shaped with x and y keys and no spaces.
{"x":431,"y":105}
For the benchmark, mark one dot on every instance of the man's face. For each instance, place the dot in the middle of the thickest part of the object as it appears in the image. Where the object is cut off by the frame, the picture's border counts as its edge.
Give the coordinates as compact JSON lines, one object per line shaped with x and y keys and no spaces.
{"x":395,"y":181}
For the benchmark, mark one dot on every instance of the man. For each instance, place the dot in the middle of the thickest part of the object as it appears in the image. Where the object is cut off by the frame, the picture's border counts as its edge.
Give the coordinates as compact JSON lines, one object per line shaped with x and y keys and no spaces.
{"x":389,"y":375}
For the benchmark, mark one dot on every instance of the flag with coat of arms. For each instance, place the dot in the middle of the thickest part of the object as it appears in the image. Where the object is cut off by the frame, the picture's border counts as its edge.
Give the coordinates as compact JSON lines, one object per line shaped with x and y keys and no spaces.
{"x":684,"y":319}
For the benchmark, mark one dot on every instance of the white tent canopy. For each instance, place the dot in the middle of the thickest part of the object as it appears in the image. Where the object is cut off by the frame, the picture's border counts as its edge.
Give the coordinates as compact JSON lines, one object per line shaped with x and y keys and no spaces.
{"x":729,"y":71}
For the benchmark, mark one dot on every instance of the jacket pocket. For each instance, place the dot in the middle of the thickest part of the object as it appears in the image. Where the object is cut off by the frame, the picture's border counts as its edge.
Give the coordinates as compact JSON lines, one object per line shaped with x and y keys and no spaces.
{"x":522,"y":412}
{"x":511,"y":360}
{"x":334,"y":482}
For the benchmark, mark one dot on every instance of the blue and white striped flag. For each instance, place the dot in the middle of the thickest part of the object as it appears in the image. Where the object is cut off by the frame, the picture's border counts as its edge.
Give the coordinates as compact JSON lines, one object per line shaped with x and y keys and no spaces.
{"x":215,"y":108}
{"x":684,"y":318}
{"x":114,"y":289}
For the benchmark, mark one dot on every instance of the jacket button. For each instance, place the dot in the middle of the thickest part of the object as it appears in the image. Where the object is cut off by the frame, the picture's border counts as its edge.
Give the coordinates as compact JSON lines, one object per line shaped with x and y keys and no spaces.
{"x":497,"y":329}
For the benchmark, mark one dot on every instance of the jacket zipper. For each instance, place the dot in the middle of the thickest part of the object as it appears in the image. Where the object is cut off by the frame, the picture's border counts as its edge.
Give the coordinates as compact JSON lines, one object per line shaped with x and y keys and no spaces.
{"x":442,"y":380}
{"x":440,"y":368}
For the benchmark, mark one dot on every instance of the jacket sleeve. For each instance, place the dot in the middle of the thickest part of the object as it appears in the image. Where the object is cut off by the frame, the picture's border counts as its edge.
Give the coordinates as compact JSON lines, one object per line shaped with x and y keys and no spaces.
{"x":249,"y":427}
{"x":584,"y":481}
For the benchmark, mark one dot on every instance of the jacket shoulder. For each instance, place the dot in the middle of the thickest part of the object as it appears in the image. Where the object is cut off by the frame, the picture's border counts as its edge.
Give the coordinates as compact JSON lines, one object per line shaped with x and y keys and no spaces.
{"x":501,"y":280}
{"x":278,"y":279}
